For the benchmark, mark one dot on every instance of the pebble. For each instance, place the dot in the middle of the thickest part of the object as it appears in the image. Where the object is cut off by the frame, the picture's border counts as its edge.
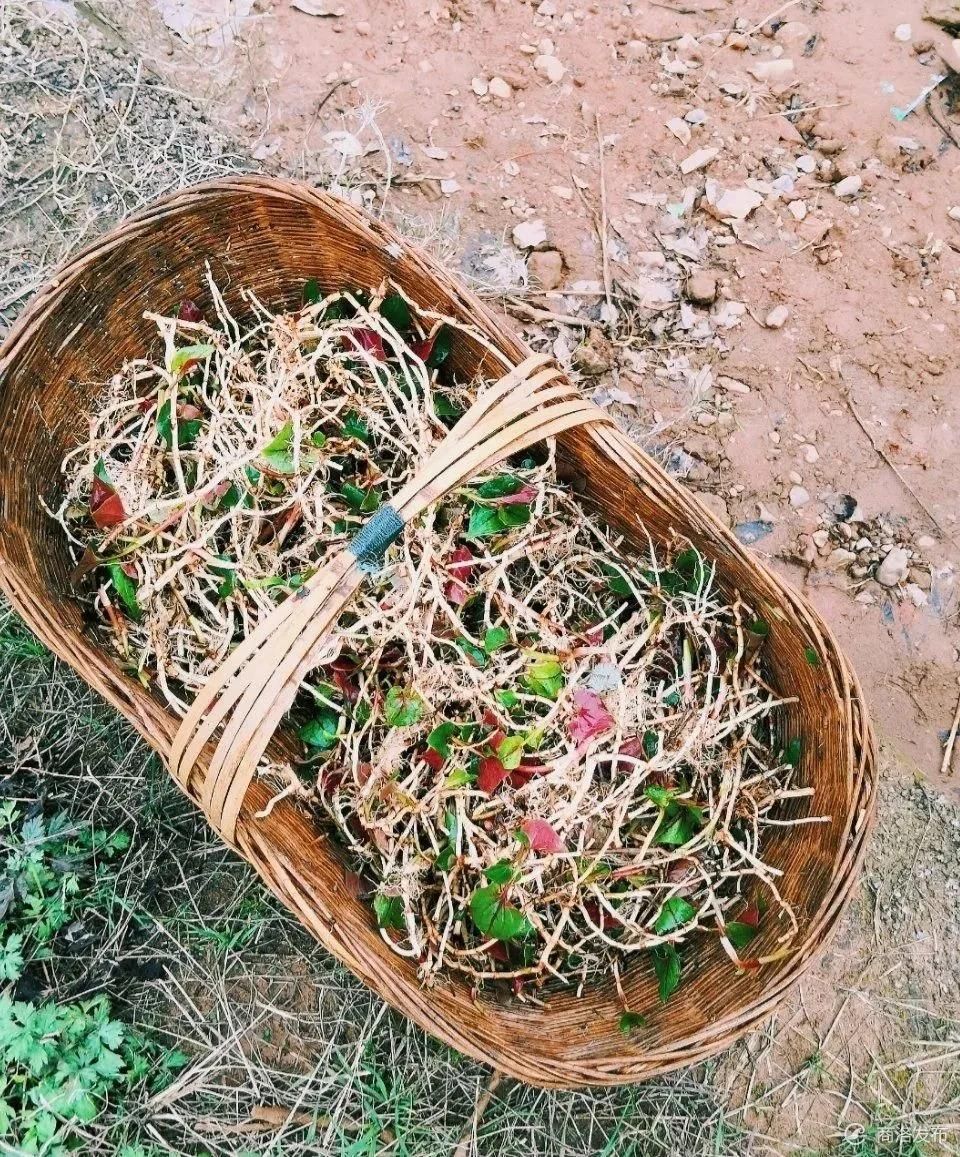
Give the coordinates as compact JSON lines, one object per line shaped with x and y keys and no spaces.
{"x":775,"y":71}
{"x":706,"y":418}
{"x":799,"y":496}
{"x":821,"y":538}
{"x":810,"y":453}
{"x":545,"y":269}
{"x":777,"y":317}
{"x":849,"y":186}
{"x":840,"y":558}
{"x":954,"y":212}
{"x":926,"y":542}
{"x":698,"y":160}
{"x":529,"y":234}
{"x":547,"y":8}
{"x":594,"y":356}
{"x":903,"y":32}
{"x":500,"y":89}
{"x":701,"y":287}
{"x":798,"y":209}
{"x":894,"y":568}
{"x":735,"y":203}
{"x":732,"y":386}
{"x":479,"y":86}
{"x":696,"y":116}
{"x":550,"y":67}
{"x":949,"y":296}
{"x":680,"y":129}
{"x":795,"y":477}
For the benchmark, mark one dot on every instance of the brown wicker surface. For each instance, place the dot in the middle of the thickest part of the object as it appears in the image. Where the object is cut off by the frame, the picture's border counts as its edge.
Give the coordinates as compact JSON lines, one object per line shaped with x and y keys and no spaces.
{"x":269,"y":236}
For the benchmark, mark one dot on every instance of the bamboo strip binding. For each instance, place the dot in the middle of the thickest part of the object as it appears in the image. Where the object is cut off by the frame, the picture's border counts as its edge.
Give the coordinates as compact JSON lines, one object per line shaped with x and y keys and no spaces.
{"x":246,"y":699}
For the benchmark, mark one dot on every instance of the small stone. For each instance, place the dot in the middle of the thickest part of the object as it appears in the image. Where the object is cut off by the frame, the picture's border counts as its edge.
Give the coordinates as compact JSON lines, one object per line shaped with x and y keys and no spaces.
{"x":777,"y":317}
{"x":916,"y":594}
{"x":500,"y":89}
{"x":362,"y":27}
{"x":831,"y":146}
{"x":840,"y":558}
{"x":545,"y":269}
{"x":903,"y":32}
{"x":772,"y":71}
{"x":894,"y":568}
{"x":594,"y":356}
{"x":862,"y":544}
{"x":564,"y":192}
{"x":922,"y":578}
{"x":810,"y":453}
{"x":696,"y":116}
{"x":547,"y":8}
{"x":550,"y":67}
{"x":635,"y":50}
{"x":949,"y":296}
{"x":926,"y":542}
{"x":732,"y":386}
{"x":529,"y":234}
{"x":698,"y":160}
{"x":797,"y":210}
{"x":680,"y":129}
{"x":795,"y":477}
{"x":849,"y":186}
{"x":706,"y":418}
{"x":806,"y":163}
{"x":799,"y":496}
{"x":821,"y":538}
{"x":954,"y":212}
{"x":866,"y":598}
{"x":732,"y":203}
{"x":479,"y":86}
{"x":701,"y":287}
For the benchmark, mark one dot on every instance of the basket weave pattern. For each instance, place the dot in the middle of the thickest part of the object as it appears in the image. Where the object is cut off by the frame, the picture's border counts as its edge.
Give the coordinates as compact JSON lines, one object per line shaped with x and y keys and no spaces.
{"x":269,"y":236}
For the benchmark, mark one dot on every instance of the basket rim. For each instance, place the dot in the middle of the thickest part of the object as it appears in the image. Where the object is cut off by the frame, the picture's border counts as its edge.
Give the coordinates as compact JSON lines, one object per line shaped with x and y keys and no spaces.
{"x":622,"y":1064}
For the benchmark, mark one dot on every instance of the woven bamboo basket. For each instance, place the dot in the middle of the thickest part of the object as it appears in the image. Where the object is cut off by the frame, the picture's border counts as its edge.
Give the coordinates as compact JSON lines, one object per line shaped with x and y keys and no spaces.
{"x":269,"y":236}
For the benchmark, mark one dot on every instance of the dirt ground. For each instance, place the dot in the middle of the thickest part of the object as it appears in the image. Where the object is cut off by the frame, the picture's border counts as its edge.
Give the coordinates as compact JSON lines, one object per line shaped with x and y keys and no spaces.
{"x":775,"y":317}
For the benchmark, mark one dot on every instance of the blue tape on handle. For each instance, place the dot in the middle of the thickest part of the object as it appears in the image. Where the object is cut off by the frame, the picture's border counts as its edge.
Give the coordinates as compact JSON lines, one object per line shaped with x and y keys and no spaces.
{"x":370,"y":543}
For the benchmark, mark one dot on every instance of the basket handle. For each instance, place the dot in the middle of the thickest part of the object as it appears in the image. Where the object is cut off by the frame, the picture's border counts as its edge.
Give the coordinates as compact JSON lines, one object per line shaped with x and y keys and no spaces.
{"x":248,"y":696}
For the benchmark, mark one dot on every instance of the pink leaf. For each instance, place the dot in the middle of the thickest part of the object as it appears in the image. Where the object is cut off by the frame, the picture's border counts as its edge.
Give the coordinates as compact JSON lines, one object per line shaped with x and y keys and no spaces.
{"x":590,"y":718}
{"x":528,"y":768}
{"x":542,"y":837}
{"x":460,"y":569}
{"x":190,"y":311}
{"x":491,"y":774}
{"x":371,"y":341}
{"x":523,"y":497}
{"x":750,"y":916}
{"x":106,"y":506}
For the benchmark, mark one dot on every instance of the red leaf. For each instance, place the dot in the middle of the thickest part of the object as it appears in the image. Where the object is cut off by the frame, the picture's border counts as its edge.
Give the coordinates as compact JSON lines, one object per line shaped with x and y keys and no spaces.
{"x":632,"y":747}
{"x":523,"y":497}
{"x":346,"y":685}
{"x":490,"y":719}
{"x":590,"y":718}
{"x":517,"y":985}
{"x":498,"y":950}
{"x":600,"y":916}
{"x":433,"y":759}
{"x":680,"y":869}
{"x":106,"y":506}
{"x":371,"y":341}
{"x":424,"y":348}
{"x":542,"y":837}
{"x":750,"y":915}
{"x":460,"y":569}
{"x":491,"y":774}
{"x":145,"y":405}
{"x":189,"y":311}
{"x":521,"y":776}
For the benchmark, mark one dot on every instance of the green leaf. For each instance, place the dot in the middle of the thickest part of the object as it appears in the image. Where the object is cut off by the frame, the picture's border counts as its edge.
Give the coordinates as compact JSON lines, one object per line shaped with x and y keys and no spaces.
{"x":740,"y":934}
{"x":507,"y":699}
{"x":227,"y":576}
{"x":616,"y":582}
{"x":630,"y":1021}
{"x":544,"y":675}
{"x":126,"y":589}
{"x":496,"y":918}
{"x":182,"y":358}
{"x":673,"y":915}
{"x":495,"y":638}
{"x":484,"y":522}
{"x":472,"y":651}
{"x":322,"y":731}
{"x":500,"y":487}
{"x":311,"y":292}
{"x":811,"y":656}
{"x":451,"y":825}
{"x":502,"y":872}
{"x":759,"y":627}
{"x":355,"y":427}
{"x":362,"y":501}
{"x":395,"y":310}
{"x":667,"y":969}
{"x":439,"y":738}
{"x":510,"y":751}
{"x":100,"y":471}
{"x":278,"y":452}
{"x":389,"y":912}
{"x":512,"y":516}
{"x":443,"y":407}
{"x":661,"y":796}
{"x":651,"y":744}
{"x":677,"y":831}
{"x":459,"y":777}
{"x":690,"y":566}
{"x":792,"y":752}
{"x":11,"y":957}
{"x":402,"y":707}
{"x":442,"y":344}
{"x":187,"y":429}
